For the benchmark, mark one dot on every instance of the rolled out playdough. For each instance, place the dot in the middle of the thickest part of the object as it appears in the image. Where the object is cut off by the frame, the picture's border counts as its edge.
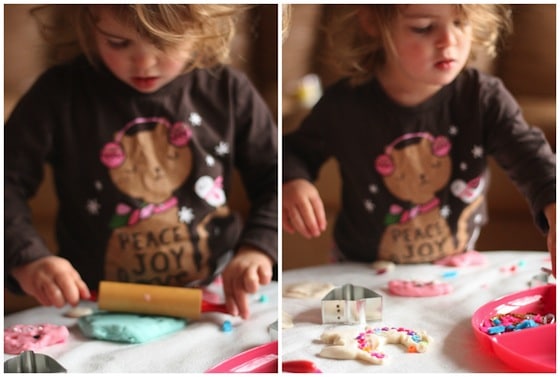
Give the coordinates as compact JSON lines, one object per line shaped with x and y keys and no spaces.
{"x":150,"y":299}
{"x":128,"y":328}
{"x":468,"y":258}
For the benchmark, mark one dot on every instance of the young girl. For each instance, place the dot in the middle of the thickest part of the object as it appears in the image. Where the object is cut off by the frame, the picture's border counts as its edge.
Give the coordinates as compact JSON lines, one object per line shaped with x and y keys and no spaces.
{"x":143,"y":130}
{"x":411,"y":127}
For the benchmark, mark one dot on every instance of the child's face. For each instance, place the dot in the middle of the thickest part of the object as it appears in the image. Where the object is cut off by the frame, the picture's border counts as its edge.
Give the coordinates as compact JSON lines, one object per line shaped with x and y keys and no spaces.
{"x":134,"y":60}
{"x":432,"y":44}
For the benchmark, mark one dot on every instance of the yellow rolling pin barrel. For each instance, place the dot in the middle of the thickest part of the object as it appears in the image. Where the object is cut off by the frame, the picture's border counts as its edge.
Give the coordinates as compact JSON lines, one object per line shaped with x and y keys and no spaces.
{"x":154,"y":299}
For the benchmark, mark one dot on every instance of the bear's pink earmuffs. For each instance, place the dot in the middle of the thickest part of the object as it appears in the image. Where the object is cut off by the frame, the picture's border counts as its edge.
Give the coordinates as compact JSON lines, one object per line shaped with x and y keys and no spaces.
{"x":113,"y":154}
{"x":384,"y":163}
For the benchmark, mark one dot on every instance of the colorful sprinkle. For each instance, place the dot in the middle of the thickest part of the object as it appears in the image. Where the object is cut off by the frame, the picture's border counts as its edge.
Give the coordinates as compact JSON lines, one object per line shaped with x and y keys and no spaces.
{"x":226,"y":326}
{"x":514,"y":322}
{"x":413,"y":341}
{"x":449,"y":274}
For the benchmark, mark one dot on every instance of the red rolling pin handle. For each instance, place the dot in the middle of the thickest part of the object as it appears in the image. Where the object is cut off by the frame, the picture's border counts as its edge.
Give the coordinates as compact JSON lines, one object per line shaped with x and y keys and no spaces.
{"x":211,"y":307}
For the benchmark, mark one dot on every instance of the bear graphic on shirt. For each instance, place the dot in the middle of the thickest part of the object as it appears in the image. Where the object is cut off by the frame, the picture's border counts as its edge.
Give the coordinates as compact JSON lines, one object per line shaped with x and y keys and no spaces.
{"x":414,"y":174}
{"x":150,"y":243}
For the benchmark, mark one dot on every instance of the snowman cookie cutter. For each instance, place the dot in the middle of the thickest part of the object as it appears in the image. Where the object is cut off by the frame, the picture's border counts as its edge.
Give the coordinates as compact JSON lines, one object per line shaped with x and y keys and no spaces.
{"x":350,"y":304}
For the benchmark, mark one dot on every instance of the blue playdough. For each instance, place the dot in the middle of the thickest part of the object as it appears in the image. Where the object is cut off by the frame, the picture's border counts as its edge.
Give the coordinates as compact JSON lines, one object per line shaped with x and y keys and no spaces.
{"x":128,"y":328}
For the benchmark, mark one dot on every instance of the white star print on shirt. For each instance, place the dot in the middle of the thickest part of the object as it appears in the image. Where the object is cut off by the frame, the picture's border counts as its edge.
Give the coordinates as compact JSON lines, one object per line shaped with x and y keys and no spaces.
{"x":93,"y":206}
{"x":369,"y":205}
{"x":477,"y":151}
{"x":195,"y":119}
{"x":445,"y":211}
{"x":210,"y":160}
{"x":186,"y":215}
{"x":373,"y":188}
{"x":222,"y":148}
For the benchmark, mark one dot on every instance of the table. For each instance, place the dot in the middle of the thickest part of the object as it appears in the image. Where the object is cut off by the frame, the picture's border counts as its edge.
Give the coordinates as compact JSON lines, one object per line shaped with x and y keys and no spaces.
{"x":446,"y":318}
{"x":199,"y":346}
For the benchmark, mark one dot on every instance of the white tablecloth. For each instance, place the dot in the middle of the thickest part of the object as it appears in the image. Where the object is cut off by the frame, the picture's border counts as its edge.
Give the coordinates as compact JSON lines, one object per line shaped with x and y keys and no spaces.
{"x":199,"y":346}
{"x":445,"y":318}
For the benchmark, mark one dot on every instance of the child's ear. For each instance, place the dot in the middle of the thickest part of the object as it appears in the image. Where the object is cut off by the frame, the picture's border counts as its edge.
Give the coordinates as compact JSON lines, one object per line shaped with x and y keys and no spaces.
{"x":366,"y":21}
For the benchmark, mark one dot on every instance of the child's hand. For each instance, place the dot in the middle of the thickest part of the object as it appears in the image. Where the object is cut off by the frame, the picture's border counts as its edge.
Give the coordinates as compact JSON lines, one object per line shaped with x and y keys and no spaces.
{"x":302,"y":209}
{"x":248,"y":269}
{"x":52,"y":281}
{"x":550,"y":213}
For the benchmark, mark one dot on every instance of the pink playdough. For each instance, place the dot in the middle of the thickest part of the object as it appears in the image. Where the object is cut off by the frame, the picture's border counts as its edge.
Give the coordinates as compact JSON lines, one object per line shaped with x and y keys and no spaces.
{"x":412,"y":288}
{"x":468,"y":258}
{"x":19,"y":338}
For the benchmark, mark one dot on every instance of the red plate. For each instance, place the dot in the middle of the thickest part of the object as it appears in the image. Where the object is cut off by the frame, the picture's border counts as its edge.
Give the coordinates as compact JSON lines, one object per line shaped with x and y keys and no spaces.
{"x":528,"y":350}
{"x":261,"y":359}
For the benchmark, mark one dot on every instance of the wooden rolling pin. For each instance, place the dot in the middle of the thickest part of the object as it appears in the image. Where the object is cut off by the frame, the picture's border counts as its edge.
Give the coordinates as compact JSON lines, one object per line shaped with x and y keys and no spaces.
{"x":154,"y":299}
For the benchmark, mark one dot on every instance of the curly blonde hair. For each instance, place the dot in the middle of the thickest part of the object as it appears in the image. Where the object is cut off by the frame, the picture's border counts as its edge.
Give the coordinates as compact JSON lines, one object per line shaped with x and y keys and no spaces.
{"x":359,"y":55}
{"x":210,"y":27}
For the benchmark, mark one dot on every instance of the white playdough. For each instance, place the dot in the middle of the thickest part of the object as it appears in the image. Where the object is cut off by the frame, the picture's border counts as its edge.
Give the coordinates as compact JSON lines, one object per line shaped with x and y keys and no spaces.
{"x":383,"y":266}
{"x":308,"y":290}
{"x":78,"y":311}
{"x":287,"y":321}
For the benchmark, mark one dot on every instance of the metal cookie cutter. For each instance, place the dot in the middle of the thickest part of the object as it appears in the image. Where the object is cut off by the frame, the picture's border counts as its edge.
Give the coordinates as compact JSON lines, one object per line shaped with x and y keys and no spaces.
{"x":350,"y":304}
{"x":543,"y":278}
{"x":31,"y":362}
{"x":273,"y":331}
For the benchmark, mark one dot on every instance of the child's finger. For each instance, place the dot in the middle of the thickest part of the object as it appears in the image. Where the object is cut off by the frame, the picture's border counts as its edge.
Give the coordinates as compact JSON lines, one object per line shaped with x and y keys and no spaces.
{"x":243,"y":305}
{"x":231,"y":306}
{"x":265,"y":275}
{"x":307,"y":215}
{"x":286,"y":223}
{"x":69,"y":289}
{"x":53,"y":294}
{"x":251,"y":280}
{"x":84,"y":290}
{"x":228,"y":293}
{"x":240,"y":301}
{"x":319,"y":211}
{"x":299,"y":224}
{"x":41,"y":296}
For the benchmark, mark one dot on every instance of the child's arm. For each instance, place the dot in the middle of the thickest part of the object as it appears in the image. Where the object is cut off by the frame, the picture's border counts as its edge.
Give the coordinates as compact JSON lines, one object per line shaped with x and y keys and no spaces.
{"x":248,"y":269}
{"x":52,"y":281}
{"x":28,"y":133}
{"x":302,"y":208}
{"x":525,"y":155}
{"x":550,"y":213}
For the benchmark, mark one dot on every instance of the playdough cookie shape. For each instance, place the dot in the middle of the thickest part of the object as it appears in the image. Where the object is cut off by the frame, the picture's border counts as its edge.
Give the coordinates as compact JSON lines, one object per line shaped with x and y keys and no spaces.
{"x":367,"y":345}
